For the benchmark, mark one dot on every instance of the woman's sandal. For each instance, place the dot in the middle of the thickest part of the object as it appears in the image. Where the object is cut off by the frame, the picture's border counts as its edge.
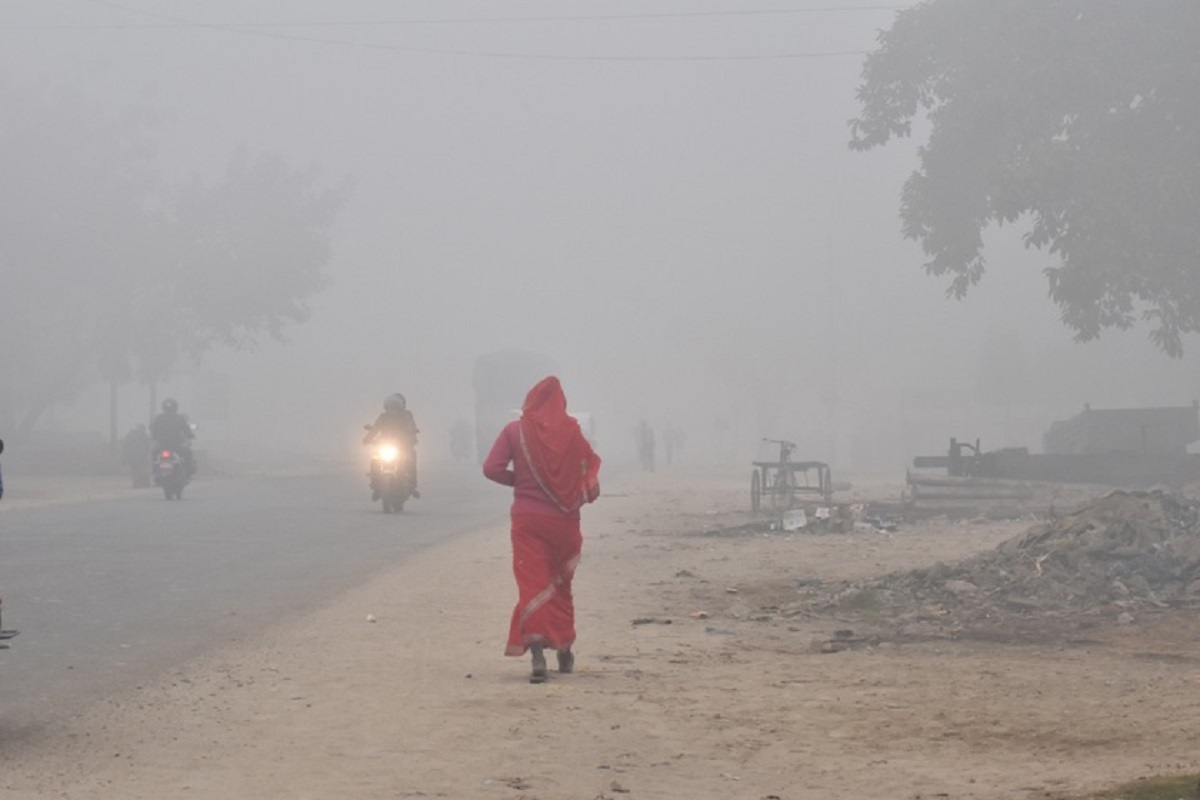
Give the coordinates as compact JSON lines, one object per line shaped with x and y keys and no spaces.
{"x":538,"y":675}
{"x":566,"y":660}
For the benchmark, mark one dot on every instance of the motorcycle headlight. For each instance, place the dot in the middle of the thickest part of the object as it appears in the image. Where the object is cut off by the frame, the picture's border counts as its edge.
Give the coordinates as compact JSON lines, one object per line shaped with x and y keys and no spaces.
{"x":388,"y":453}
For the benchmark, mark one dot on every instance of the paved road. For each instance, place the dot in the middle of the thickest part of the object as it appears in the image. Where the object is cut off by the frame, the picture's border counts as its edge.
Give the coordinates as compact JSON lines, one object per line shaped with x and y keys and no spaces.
{"x":106,"y":593}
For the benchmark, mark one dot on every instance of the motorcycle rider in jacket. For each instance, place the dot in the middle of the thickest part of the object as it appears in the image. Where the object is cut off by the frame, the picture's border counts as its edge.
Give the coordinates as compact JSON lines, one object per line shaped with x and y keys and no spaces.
{"x":396,"y":422}
{"x":172,"y":431}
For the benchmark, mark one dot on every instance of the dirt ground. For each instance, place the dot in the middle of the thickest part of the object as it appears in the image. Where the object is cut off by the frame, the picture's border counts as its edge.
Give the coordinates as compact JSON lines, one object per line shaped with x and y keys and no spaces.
{"x":716,"y":659}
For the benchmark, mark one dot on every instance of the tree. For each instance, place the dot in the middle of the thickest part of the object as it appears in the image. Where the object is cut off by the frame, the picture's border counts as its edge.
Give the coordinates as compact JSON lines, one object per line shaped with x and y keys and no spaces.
{"x":112,"y":273}
{"x":1075,"y":118}
{"x":248,"y":251}
{"x":70,"y":216}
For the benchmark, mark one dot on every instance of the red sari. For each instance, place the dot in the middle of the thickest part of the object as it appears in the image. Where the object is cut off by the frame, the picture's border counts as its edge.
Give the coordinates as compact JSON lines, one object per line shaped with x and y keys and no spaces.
{"x":545,"y":553}
{"x":547,"y":450}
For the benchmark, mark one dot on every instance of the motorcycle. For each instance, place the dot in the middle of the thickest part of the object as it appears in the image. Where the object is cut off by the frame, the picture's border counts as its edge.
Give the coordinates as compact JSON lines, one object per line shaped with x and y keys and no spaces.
{"x":391,"y":475}
{"x":170,"y":473}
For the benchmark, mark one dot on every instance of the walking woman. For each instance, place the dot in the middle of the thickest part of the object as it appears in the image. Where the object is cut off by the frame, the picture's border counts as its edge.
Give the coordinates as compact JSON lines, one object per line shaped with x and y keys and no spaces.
{"x":553,"y":471}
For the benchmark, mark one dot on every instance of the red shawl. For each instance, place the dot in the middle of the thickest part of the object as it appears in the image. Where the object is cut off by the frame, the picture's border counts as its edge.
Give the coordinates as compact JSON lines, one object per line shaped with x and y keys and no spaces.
{"x":562,"y":461}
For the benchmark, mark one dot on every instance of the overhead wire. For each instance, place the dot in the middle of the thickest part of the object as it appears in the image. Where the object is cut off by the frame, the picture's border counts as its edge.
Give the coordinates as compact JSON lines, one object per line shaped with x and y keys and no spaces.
{"x":180,"y":23}
{"x":261,"y":29}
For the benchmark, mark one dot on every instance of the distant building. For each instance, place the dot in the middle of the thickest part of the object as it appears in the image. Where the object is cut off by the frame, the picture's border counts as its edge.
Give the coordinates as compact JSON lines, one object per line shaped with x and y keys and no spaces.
{"x":1147,"y":431}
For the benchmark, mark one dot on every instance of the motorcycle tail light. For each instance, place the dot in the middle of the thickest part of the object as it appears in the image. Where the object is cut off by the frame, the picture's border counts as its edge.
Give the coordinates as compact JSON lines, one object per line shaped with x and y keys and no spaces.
{"x":166,"y":453}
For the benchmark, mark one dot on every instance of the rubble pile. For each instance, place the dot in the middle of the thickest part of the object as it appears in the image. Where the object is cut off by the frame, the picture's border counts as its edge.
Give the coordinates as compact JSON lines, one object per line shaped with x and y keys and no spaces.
{"x":1118,"y":556}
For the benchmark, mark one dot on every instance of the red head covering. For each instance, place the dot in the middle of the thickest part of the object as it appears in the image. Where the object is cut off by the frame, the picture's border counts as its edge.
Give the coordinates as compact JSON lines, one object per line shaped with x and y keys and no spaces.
{"x":561,"y":459}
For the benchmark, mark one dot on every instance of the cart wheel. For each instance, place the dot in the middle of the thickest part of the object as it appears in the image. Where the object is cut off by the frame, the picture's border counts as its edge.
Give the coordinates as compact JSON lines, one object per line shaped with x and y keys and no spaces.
{"x":755,"y":492}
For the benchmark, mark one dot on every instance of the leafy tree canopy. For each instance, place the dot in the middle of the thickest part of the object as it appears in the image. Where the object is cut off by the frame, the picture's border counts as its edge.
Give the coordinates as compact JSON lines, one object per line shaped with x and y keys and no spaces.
{"x":111,"y":272}
{"x":1077,"y":118}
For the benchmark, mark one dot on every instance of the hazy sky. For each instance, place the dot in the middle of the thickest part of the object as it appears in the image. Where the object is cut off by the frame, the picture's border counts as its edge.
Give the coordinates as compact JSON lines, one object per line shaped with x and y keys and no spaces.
{"x":657,"y":196}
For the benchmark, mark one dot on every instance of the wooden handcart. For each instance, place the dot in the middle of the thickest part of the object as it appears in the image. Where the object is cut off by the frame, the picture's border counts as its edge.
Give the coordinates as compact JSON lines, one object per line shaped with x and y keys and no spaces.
{"x":784,"y":483}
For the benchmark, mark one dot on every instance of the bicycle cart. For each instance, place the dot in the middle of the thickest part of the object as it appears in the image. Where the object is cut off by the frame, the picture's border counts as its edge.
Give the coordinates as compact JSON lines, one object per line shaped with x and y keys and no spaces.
{"x":785,"y":482}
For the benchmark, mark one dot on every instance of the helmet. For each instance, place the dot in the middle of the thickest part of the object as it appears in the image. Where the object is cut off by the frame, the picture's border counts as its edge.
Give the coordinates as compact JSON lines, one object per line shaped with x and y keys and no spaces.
{"x":170,"y":405}
{"x":395,"y":402}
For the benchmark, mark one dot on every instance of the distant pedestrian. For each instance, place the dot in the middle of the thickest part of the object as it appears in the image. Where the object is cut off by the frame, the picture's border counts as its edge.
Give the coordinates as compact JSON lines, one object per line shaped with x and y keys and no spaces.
{"x":135,"y":455}
{"x":644,"y":435}
{"x":553,"y":470}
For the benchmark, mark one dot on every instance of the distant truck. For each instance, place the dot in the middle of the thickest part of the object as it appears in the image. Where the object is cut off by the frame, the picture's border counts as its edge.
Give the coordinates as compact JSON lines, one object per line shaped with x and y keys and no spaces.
{"x":501,"y":380}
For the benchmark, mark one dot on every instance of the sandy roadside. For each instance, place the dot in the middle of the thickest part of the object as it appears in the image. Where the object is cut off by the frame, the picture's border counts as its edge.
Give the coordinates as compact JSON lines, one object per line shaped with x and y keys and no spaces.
{"x":418,"y":702}
{"x":664,"y":704}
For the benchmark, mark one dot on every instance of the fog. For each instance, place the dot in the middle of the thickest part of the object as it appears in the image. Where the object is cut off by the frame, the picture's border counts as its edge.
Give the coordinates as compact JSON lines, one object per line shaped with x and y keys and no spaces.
{"x":665,"y":206}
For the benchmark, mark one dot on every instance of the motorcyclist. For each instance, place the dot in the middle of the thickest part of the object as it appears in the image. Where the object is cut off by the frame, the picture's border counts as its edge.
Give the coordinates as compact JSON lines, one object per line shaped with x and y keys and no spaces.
{"x":397,"y":424}
{"x":172,"y":431}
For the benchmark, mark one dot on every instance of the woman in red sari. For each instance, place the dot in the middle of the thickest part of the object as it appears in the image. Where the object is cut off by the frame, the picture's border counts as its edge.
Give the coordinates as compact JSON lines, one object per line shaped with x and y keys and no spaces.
{"x":553,"y":471}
